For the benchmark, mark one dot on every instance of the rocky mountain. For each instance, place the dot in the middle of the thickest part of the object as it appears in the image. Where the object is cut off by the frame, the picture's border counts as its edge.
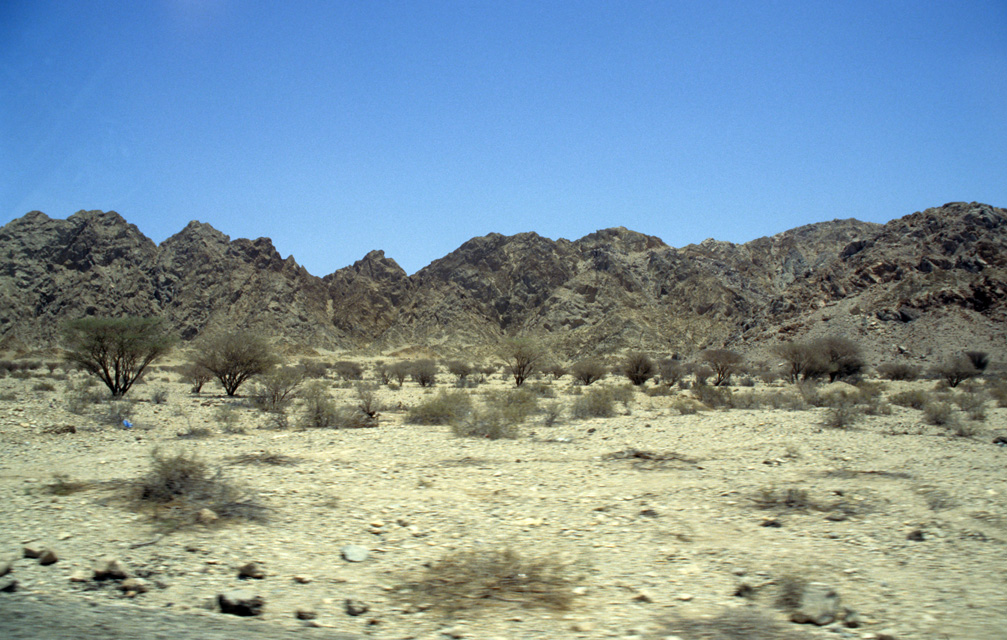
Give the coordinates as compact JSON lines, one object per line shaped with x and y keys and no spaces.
{"x":907,"y":285}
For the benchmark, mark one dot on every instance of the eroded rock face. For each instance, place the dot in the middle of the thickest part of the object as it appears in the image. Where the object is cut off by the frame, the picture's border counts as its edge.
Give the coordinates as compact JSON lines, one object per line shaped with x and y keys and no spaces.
{"x":610,"y":290}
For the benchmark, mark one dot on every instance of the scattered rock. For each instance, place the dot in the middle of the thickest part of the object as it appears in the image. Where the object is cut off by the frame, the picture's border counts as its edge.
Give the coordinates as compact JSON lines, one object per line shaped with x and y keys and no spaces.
{"x":1000,"y":440}
{"x":302,"y":579}
{"x":80,"y":575}
{"x":48,"y":557}
{"x":916,"y":535}
{"x":8,"y":585}
{"x":207,"y":516}
{"x":819,"y":604}
{"x":582,"y":627}
{"x":643,"y":596}
{"x":110,"y":568}
{"x":305,"y":614}
{"x":134,"y":585}
{"x":5,"y":567}
{"x":356,"y":607}
{"x":33,"y":550}
{"x":251,"y":570}
{"x":354,"y":553}
{"x":240,"y":602}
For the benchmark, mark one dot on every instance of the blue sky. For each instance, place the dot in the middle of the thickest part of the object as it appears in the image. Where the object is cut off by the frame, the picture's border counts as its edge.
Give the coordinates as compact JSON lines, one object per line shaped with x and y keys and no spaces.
{"x":339,"y":127}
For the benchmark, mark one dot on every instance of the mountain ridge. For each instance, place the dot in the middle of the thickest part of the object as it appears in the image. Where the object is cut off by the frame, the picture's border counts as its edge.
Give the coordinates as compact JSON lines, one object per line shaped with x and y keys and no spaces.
{"x":608,"y":290}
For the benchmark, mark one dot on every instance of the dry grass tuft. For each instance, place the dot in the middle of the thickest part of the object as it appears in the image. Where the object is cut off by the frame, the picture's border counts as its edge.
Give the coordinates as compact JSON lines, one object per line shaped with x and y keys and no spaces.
{"x":730,"y":624}
{"x":480,"y":578}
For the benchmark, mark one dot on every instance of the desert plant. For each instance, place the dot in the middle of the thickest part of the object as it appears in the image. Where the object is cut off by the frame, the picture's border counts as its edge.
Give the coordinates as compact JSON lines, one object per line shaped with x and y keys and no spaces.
{"x":444,"y":408}
{"x":195,"y":376}
{"x":277,"y":388}
{"x":842,"y":356}
{"x":514,"y":405}
{"x":842,"y":414}
{"x":588,"y":371}
{"x":319,"y":410}
{"x":118,"y":413}
{"x":42,"y":385}
{"x":159,"y":395}
{"x":491,"y":423}
{"x":913,"y":398}
{"x":459,"y":369}
{"x":898,"y":371}
{"x":234,"y":357}
{"x":712,"y":397}
{"x":595,"y":403}
{"x":400,"y":371}
{"x":552,"y":414}
{"x":423,"y":372}
{"x":348,"y":371}
{"x":671,"y":371}
{"x":638,"y":368}
{"x":314,"y":369}
{"x":479,"y":578}
{"x":723,"y":362}
{"x":521,"y":356}
{"x":187,"y":482}
{"x":979,"y":359}
{"x":228,"y":417}
{"x":555,"y":370}
{"x":116,"y":350}
{"x":367,"y":400}
{"x":701,"y":373}
{"x":956,"y":370}
{"x":938,"y":413}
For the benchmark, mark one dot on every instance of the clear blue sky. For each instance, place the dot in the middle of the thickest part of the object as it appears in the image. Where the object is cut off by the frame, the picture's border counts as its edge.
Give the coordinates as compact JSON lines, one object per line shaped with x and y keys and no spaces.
{"x":338,"y":127}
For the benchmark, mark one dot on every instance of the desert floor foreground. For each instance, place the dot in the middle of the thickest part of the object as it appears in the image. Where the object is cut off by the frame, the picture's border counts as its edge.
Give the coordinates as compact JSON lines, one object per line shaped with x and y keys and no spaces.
{"x":906,"y":522}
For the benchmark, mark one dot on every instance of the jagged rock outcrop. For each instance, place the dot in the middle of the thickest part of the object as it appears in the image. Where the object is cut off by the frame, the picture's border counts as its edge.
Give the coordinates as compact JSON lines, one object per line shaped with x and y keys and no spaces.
{"x":932,"y":273}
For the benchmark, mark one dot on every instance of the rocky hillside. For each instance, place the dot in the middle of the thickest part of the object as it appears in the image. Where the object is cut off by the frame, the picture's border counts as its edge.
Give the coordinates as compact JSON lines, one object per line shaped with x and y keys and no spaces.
{"x":907,"y":285}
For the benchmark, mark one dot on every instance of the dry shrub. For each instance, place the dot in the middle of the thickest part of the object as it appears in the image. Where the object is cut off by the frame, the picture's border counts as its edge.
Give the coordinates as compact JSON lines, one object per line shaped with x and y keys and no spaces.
{"x":514,"y":405}
{"x":913,"y":398}
{"x":972,"y":403}
{"x":264,"y":458}
{"x":347,"y":370}
{"x":444,"y":408}
{"x":423,"y":372}
{"x":183,"y":484}
{"x":938,"y":413}
{"x":956,"y":370}
{"x":595,"y":403}
{"x":588,"y":371}
{"x":898,"y":371}
{"x":999,"y":392}
{"x":789,"y":499}
{"x":276,"y":389}
{"x":477,"y":579}
{"x":62,"y":485}
{"x":490,"y":423}
{"x":842,"y":415}
{"x":638,"y":368}
{"x":723,"y":362}
{"x":713,"y":397}
{"x":730,"y":624}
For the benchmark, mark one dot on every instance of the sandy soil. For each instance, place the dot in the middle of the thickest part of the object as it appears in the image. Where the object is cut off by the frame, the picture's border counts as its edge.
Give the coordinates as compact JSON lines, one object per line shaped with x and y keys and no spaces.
{"x":910,"y":525}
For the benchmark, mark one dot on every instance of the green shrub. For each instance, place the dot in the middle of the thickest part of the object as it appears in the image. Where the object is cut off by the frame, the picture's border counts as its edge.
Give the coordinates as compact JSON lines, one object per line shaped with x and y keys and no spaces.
{"x":595,"y":403}
{"x":713,"y":397}
{"x":723,"y":362}
{"x":515,"y":405}
{"x":348,"y":371}
{"x":423,"y":372}
{"x":277,"y":388}
{"x":319,"y":409}
{"x":116,"y":350}
{"x":956,"y":370}
{"x":444,"y":408}
{"x":842,"y":415}
{"x":638,"y":368}
{"x":43,"y":386}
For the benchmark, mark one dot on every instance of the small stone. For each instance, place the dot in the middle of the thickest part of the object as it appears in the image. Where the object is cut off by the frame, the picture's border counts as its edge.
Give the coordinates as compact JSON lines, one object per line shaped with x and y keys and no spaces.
{"x":301,"y":579}
{"x":110,"y":568}
{"x":684,"y":597}
{"x":582,"y":627}
{"x":33,"y":550}
{"x":305,"y":614}
{"x":80,"y":575}
{"x":916,"y":535}
{"x":48,"y":557}
{"x":251,"y":570}
{"x":207,"y":516}
{"x":240,"y":602}
{"x":355,"y":607}
{"x":5,"y":567}
{"x":643,"y":596}
{"x":354,"y":553}
{"x":135,"y":585}
{"x":8,"y":585}
{"x":819,"y":605}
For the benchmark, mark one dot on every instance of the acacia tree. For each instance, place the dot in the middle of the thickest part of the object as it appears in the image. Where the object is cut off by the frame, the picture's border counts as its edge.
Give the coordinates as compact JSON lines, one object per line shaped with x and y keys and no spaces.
{"x":117,"y":350}
{"x":639,"y":368}
{"x":235,"y":357}
{"x":521,"y":355}
{"x":724,"y":363}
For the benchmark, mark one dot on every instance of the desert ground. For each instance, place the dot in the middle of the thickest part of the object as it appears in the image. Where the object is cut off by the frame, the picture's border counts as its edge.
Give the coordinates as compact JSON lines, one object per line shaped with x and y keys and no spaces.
{"x":653,"y":523}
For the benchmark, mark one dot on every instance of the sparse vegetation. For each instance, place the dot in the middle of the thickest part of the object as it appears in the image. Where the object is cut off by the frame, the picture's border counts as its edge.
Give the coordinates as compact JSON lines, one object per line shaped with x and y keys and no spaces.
{"x":276,"y":389}
{"x":956,"y":370}
{"x":595,"y":403}
{"x":898,"y":371}
{"x":521,"y":356}
{"x":472,"y":580}
{"x":235,"y":357}
{"x":423,"y":372}
{"x":347,"y":370}
{"x":116,"y":350}
{"x":724,"y":364}
{"x":638,"y":368}
{"x":588,"y":372}
{"x":196,"y":376}
{"x":446,"y":407}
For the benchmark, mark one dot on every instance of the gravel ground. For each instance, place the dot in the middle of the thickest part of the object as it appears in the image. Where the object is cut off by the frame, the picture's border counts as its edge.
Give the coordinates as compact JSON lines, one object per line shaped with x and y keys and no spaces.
{"x":905,"y":522}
